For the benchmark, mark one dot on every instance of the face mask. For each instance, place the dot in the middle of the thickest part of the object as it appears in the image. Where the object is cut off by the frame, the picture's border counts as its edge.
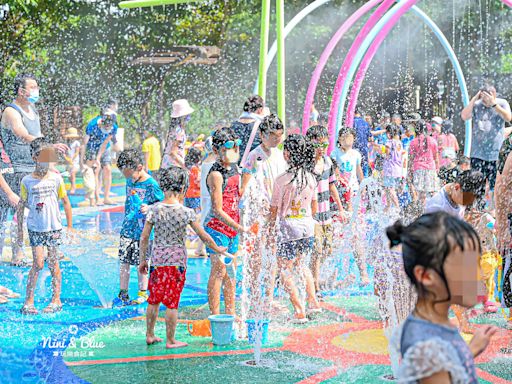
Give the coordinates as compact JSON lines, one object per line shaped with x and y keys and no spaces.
{"x":42,"y":168}
{"x":232,"y":155}
{"x":34,"y":96}
{"x":106,"y":131}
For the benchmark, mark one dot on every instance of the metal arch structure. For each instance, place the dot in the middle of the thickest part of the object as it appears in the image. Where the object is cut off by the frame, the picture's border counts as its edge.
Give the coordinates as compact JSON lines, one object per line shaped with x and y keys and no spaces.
{"x":451,"y":55}
{"x":379,"y":32}
{"x":289,"y":27}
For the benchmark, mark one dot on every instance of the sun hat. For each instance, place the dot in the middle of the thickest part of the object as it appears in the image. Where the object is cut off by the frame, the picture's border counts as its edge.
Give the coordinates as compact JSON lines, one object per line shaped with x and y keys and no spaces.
{"x":181,"y":108}
{"x":71,"y":133}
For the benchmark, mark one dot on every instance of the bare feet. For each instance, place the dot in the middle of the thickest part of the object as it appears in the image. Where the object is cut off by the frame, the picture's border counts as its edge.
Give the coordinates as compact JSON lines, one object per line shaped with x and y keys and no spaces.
{"x":175,"y":344}
{"x":108,"y":202}
{"x":365,"y":280}
{"x":153,"y":340}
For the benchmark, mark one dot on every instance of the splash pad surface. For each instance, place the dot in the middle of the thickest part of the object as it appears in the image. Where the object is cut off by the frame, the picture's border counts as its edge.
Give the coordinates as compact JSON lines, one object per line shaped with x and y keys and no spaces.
{"x":88,"y":343}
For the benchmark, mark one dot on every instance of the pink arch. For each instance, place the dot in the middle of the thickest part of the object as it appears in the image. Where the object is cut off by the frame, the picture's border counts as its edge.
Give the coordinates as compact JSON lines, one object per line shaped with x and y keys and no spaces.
{"x":363,"y":33}
{"x":326,"y":54}
{"x":370,"y":53}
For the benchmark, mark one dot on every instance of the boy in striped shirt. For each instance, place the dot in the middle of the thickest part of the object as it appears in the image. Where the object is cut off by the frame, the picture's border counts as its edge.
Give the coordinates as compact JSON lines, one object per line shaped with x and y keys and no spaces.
{"x":325,"y":189}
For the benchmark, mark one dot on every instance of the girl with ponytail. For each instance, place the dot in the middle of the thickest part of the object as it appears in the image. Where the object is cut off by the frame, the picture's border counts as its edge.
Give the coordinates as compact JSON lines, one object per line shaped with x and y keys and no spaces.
{"x":440,"y":255}
{"x":293,"y":204}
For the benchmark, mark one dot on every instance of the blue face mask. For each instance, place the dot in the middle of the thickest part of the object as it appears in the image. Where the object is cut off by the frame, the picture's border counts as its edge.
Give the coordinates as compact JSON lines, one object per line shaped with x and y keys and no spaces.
{"x":34,"y":96}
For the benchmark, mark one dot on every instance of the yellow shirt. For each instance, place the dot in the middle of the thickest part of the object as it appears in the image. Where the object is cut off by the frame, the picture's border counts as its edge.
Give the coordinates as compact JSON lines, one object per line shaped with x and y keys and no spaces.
{"x":152,"y":146}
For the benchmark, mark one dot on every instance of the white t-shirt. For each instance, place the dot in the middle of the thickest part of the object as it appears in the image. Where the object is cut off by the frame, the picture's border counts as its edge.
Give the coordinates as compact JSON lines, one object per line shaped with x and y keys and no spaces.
{"x":206,"y":200}
{"x":440,"y":202}
{"x":348,"y":163}
{"x":73,"y":148}
{"x":264,"y":169}
{"x":42,"y":197}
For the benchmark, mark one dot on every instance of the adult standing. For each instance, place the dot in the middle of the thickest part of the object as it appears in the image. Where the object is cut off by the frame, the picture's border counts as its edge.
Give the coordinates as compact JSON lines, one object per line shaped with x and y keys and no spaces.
{"x":244,"y":127}
{"x":489,"y":114}
{"x":174,"y":152}
{"x":20,"y":125}
{"x":96,"y":152}
{"x":503,"y":223}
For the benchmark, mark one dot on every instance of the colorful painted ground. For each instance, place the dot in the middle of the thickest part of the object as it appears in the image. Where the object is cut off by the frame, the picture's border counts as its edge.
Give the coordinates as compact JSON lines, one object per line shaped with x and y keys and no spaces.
{"x":87,"y":343}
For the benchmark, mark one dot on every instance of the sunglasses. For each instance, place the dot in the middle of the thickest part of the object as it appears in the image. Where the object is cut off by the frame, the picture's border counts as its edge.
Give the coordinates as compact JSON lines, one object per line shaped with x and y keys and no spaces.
{"x":231,"y":143}
{"x":321,"y":145}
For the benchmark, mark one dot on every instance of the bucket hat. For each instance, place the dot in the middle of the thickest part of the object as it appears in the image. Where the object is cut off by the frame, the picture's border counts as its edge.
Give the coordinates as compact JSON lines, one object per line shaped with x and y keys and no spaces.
{"x":181,"y":108}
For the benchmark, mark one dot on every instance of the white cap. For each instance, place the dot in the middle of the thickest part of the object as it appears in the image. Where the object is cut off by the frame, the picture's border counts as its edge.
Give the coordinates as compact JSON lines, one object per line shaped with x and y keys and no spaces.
{"x":437,"y":120}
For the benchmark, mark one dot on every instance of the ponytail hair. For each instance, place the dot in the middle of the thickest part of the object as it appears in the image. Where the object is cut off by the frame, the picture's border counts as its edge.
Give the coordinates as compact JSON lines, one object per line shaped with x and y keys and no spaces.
{"x":428,"y":241}
{"x":301,"y":159}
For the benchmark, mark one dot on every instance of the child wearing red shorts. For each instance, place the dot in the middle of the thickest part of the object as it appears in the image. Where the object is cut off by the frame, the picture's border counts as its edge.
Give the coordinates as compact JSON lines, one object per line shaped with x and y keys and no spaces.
{"x":169,"y":219}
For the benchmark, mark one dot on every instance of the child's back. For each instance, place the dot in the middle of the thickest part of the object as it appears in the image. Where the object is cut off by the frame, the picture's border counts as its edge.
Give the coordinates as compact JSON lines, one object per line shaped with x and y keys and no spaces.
{"x":393,"y":162}
{"x":170,"y":230}
{"x":427,"y":348}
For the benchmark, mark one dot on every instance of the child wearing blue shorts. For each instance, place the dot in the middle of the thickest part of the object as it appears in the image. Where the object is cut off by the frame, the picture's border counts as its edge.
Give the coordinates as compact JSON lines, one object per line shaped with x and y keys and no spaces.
{"x":223,"y":221}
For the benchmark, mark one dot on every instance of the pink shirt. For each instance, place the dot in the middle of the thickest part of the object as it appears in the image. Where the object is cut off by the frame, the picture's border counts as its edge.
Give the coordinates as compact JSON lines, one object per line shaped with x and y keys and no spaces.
{"x":423,"y":157}
{"x":294,"y":207}
{"x":448,"y":148}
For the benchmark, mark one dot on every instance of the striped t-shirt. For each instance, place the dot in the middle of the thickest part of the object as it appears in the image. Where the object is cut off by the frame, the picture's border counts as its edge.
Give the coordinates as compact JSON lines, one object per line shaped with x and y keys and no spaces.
{"x":325,"y":178}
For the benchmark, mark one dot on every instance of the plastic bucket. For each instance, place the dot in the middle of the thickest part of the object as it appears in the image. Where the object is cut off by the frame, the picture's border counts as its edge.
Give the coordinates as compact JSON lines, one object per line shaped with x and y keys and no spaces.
{"x":257,"y":329}
{"x":222,"y":328}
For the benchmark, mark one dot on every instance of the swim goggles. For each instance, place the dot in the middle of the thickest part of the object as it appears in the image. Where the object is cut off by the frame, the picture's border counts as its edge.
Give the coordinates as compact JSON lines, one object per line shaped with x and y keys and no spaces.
{"x":321,"y":145}
{"x":231,"y":143}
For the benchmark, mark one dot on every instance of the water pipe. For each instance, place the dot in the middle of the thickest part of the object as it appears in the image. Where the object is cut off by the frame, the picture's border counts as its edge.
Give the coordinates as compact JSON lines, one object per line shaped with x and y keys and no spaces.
{"x":352,"y":103}
{"x":326,"y":54}
{"x":347,"y":64}
{"x":289,"y":27}
{"x":342,"y":85}
{"x":281,"y":69}
{"x":264,"y":32}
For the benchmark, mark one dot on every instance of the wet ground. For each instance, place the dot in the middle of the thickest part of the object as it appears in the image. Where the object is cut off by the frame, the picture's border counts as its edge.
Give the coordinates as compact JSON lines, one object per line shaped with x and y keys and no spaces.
{"x":87,"y":343}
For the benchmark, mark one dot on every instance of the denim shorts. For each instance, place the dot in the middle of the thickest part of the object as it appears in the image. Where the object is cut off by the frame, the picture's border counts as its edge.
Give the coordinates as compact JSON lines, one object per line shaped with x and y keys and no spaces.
{"x":45,"y":239}
{"x":231,"y":243}
{"x":290,"y":249}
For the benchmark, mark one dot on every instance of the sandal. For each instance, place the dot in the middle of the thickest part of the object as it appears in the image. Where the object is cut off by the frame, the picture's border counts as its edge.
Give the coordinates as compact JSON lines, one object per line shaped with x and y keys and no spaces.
{"x":53,"y":308}
{"x":29,"y":309}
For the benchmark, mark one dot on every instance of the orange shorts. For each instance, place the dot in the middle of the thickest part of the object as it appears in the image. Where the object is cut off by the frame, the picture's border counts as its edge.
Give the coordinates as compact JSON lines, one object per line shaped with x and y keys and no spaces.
{"x":165,"y":285}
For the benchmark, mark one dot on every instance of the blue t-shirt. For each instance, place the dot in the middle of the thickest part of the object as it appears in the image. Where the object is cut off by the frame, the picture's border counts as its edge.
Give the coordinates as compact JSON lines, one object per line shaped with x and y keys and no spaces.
{"x":406,"y":142}
{"x":363,"y":135}
{"x":97,"y":136}
{"x":149,"y":193}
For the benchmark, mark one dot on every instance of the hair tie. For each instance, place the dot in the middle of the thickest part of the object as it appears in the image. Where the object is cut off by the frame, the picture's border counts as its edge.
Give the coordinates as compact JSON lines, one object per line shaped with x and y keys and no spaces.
{"x":395,"y":242}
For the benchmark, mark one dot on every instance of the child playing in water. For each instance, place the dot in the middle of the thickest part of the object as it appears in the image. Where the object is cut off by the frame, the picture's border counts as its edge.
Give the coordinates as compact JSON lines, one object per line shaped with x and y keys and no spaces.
{"x":41,"y":191}
{"x":223,"y":220}
{"x":294,"y":202}
{"x":141,"y":191}
{"x":440,"y":255}
{"x":193,"y":194}
{"x":349,"y":163}
{"x":73,"y":156}
{"x":453,"y":199}
{"x":260,"y":170}
{"x":393,"y":164}
{"x":348,"y":159}
{"x":169,"y":219}
{"x":326,"y":188}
